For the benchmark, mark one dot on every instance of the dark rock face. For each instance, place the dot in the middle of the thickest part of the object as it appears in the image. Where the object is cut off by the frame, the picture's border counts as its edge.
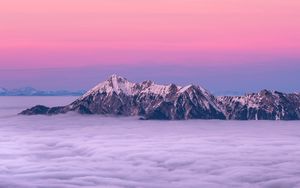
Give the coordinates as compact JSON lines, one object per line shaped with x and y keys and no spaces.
{"x":187,"y":103}
{"x":265,"y":105}
{"x":36,"y":110}
{"x":43,"y":110}
{"x":192,"y":103}
{"x":103,"y":103}
{"x":118,"y":96}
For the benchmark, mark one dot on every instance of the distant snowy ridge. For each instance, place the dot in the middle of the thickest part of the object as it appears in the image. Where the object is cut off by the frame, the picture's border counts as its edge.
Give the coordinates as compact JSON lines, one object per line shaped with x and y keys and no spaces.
{"x":118,"y":96}
{"x":29,"y":91}
{"x":264,"y":105}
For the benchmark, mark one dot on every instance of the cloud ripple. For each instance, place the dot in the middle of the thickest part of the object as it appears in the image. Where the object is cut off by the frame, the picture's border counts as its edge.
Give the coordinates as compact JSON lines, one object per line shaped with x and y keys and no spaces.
{"x":70,"y":151}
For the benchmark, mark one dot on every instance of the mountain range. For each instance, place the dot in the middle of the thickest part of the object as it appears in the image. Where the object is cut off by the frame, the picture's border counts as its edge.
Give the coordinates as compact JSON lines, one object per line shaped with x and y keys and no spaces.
{"x":29,"y":91}
{"x":118,"y":96}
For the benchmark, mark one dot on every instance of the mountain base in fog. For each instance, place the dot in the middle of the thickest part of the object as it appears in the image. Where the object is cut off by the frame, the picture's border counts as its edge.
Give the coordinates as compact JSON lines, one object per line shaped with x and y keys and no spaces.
{"x":118,"y":96}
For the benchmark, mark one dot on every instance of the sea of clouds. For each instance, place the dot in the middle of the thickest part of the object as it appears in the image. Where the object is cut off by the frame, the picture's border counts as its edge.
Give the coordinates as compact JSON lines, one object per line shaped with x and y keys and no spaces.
{"x":72,"y":151}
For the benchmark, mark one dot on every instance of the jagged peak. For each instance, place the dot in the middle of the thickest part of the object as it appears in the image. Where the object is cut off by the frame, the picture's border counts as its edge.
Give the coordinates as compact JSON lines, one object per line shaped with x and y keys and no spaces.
{"x":185,"y":88}
{"x":174,"y":88}
{"x":265,"y":92}
{"x":147,"y":83}
{"x":119,"y":84}
{"x":114,"y":83}
{"x":192,"y":87}
{"x":269,"y":92}
{"x":262,"y":92}
{"x":117,"y":78}
{"x":163,"y":90}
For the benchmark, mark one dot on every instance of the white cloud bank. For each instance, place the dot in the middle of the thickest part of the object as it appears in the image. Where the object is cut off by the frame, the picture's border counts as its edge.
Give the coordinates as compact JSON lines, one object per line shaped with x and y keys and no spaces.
{"x":68,"y":151}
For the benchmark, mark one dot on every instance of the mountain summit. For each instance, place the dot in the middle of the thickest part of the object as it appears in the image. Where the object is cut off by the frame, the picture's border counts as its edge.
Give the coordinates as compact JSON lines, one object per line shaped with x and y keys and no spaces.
{"x":118,"y":96}
{"x":115,"y":84}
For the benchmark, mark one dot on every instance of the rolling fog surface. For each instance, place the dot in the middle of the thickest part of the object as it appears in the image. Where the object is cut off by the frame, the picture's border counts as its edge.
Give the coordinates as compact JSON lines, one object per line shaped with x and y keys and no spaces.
{"x":71,"y":151}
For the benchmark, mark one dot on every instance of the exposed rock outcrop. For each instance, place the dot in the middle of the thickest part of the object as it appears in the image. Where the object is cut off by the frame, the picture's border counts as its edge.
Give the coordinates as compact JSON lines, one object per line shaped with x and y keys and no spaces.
{"x":118,"y":96}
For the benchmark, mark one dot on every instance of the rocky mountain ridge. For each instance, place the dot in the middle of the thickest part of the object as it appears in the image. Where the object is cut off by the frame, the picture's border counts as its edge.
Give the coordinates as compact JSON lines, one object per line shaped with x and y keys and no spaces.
{"x":118,"y":96}
{"x":264,"y":105}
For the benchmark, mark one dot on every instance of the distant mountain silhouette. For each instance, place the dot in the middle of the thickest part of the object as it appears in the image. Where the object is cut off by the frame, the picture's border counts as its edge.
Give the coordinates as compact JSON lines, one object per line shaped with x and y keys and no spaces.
{"x":29,"y":91}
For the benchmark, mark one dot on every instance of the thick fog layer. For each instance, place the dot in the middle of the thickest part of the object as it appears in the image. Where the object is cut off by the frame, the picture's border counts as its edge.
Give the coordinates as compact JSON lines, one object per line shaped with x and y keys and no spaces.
{"x":72,"y":151}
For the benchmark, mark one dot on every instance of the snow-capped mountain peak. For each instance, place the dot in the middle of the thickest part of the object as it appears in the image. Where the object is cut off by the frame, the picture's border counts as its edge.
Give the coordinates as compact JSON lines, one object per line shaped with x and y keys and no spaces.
{"x":117,"y":79}
{"x":185,"y":88}
{"x":120,"y":84}
{"x":118,"y":96}
{"x":265,"y":104}
{"x":115,"y":84}
{"x":161,"y":90}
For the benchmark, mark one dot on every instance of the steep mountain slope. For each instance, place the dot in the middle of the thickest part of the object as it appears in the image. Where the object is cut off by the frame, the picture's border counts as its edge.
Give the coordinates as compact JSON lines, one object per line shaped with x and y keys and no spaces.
{"x":265,"y":105}
{"x":118,"y":96}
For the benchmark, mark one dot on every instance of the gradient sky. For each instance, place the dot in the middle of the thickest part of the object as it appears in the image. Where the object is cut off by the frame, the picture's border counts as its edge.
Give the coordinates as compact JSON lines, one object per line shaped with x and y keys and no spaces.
{"x":234,"y":44}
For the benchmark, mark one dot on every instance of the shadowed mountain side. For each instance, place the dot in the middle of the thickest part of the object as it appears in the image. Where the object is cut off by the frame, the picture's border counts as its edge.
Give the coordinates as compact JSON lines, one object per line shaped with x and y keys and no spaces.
{"x":118,"y":96}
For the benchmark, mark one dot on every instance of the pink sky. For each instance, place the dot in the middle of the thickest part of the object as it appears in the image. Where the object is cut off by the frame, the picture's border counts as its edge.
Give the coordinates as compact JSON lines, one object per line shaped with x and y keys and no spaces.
{"x":72,"y":33}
